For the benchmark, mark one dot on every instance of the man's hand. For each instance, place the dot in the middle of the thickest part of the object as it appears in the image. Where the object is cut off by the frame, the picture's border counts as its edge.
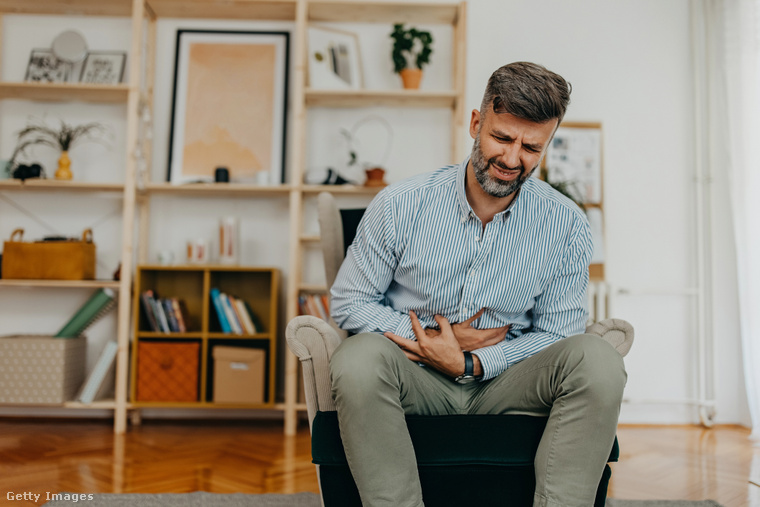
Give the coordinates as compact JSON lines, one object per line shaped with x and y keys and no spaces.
{"x":470,"y":338}
{"x":440,"y":351}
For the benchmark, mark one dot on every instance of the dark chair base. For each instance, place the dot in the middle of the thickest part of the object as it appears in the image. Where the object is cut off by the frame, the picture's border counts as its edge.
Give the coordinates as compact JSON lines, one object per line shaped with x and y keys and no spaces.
{"x":491,"y":454}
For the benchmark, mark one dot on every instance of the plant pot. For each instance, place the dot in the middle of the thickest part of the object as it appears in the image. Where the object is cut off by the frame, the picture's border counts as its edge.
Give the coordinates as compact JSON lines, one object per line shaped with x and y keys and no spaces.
{"x":375,"y":177}
{"x":411,"y":78}
{"x":64,"y":167}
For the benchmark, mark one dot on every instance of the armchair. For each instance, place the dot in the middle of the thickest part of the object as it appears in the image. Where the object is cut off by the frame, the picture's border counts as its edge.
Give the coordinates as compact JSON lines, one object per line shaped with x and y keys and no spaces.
{"x":504,"y":470}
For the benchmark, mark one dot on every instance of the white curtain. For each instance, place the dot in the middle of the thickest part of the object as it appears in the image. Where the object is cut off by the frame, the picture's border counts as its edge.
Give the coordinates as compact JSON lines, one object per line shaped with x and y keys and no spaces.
{"x":734,"y":33}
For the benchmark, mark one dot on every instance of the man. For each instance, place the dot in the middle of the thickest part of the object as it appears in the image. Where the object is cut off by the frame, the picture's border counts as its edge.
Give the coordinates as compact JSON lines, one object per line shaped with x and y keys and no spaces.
{"x":467,"y":288}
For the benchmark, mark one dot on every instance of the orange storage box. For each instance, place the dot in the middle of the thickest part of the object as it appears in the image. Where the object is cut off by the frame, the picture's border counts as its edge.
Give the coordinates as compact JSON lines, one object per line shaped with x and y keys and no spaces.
{"x":167,"y":371}
{"x":49,"y":260}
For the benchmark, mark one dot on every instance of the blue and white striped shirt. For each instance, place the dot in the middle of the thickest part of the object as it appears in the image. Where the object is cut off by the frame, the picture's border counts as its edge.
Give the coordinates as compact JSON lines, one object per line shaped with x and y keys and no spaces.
{"x":420,"y":247}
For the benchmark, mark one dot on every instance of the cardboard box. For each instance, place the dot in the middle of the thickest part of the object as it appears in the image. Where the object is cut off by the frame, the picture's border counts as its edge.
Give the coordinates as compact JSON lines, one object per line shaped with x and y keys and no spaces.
{"x":167,"y":371}
{"x":37,"y":369}
{"x":239,"y":375}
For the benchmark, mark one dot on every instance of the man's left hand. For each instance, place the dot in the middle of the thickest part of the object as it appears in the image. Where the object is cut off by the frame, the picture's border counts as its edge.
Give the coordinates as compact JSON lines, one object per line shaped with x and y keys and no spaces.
{"x":440,"y":351}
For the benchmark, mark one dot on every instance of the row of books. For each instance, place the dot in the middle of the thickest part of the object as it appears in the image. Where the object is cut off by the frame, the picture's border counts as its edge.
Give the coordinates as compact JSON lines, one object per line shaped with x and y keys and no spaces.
{"x":163,"y":315}
{"x":317,"y":305}
{"x":234,"y":314}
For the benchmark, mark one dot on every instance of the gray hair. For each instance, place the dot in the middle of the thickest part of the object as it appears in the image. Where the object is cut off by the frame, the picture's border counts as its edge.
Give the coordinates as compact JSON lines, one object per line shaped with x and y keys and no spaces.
{"x":528,"y":91}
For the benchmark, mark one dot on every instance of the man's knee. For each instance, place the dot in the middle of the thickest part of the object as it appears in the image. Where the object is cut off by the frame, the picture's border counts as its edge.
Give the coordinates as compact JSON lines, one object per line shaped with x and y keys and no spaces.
{"x":360,"y":359}
{"x":597,"y":366}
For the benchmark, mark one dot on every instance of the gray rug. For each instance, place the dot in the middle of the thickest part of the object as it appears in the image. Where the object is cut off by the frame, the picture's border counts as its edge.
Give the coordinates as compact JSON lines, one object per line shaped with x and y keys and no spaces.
{"x":201,"y":499}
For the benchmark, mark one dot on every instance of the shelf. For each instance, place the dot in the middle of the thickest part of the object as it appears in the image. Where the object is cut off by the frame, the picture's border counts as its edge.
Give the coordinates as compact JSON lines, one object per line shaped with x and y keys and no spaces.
{"x":64,"y":284}
{"x":101,"y":404}
{"x":65,"y":92}
{"x":215,"y":189}
{"x":170,"y":336}
{"x":340,"y":189}
{"x":68,"y":7}
{"x":43,"y":185}
{"x":391,"y":12}
{"x":310,"y":239}
{"x":275,"y":10}
{"x":198,"y":404}
{"x":386,"y":98}
{"x":233,"y":336}
{"x":312,"y":287}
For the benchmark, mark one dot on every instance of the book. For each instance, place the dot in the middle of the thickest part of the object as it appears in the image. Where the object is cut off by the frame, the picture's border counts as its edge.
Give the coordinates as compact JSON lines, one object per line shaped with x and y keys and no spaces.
{"x":221,"y":316}
{"x":147,"y":309}
{"x":93,"y":309}
{"x":250,"y":328}
{"x":170,"y":317}
{"x":96,"y":384}
{"x":158,"y":309}
{"x":256,"y":322}
{"x":178,"y":315}
{"x":237,"y":328}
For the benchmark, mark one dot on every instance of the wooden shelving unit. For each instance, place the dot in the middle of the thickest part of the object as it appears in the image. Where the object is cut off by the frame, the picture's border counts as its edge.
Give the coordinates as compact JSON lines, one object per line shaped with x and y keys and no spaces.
{"x":259,"y":287}
{"x":138,"y":91}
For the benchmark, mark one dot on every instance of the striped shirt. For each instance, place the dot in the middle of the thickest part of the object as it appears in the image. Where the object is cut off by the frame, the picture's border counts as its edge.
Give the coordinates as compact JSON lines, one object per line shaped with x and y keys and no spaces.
{"x":420,"y":247}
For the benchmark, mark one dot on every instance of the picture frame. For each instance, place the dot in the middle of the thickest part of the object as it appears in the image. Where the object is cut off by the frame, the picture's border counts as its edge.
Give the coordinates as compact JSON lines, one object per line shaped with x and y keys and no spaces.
{"x":334,"y":59}
{"x":103,"y":67}
{"x":44,"y":67}
{"x":229,"y":106}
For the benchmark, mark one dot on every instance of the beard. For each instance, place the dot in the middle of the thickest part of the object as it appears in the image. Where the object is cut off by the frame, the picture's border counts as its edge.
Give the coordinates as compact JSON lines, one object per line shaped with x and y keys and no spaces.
{"x":494,"y":186}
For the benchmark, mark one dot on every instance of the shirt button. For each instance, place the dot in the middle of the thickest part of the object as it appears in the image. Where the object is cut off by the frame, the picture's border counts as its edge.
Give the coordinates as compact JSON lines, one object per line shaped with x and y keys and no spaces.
{"x":477,"y":238}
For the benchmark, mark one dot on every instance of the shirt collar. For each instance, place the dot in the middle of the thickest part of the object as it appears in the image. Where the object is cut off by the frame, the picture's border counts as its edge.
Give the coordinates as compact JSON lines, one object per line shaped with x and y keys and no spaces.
{"x":464,"y":206}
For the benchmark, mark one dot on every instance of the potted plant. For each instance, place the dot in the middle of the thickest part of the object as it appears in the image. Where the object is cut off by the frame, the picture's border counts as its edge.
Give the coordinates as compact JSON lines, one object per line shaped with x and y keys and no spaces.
{"x":63,"y":139}
{"x":411,"y":52}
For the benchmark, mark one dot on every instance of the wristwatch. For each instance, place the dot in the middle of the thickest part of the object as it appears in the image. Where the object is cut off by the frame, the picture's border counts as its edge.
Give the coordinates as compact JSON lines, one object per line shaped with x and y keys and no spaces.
{"x":469,"y":370}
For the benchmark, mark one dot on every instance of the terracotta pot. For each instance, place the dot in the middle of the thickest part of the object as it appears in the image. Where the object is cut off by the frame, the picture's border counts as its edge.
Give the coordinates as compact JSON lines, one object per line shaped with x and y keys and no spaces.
{"x":411,"y":78}
{"x":375,"y":177}
{"x":64,"y":167}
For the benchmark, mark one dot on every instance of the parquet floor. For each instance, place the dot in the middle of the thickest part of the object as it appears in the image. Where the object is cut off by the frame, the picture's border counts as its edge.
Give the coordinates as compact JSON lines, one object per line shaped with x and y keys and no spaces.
{"x":38,"y":456}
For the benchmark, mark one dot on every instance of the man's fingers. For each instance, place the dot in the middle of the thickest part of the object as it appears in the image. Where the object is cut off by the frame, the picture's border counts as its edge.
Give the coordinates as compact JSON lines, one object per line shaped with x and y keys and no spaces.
{"x":443,"y":323}
{"x":416,"y":326}
{"x":474,"y":317}
{"x":404,"y":343}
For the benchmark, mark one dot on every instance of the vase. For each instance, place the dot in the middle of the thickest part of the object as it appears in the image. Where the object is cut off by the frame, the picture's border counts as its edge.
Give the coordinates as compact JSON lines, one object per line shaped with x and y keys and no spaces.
{"x":411,"y":78}
{"x":64,"y":167}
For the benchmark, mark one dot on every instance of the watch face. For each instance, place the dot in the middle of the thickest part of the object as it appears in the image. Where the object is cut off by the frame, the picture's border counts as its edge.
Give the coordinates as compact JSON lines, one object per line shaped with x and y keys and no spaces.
{"x":465,"y":379}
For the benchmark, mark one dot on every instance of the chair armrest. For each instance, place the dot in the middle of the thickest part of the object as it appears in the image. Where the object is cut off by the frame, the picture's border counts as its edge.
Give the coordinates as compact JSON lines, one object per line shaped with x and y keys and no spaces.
{"x":313,"y":341}
{"x":617,"y":332}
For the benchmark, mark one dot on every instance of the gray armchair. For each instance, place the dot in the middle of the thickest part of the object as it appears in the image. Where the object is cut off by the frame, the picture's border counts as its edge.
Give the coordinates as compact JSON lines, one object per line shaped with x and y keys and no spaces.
{"x":509,"y":468}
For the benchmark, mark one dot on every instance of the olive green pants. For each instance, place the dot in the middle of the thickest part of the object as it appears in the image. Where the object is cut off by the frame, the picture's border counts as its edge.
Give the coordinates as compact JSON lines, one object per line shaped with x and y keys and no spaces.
{"x":578,"y":382}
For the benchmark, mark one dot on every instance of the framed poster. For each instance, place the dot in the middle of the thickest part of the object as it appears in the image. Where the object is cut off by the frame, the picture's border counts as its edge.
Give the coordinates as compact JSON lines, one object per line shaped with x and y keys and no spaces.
{"x":228,"y":108}
{"x":575,"y":157}
{"x":334,"y":60}
{"x":104,"y":67}
{"x":44,"y":67}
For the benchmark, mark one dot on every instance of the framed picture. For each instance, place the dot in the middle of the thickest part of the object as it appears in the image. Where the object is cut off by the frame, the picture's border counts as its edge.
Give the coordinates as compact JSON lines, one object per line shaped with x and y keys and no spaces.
{"x":228,"y":109}
{"x":575,"y":157}
{"x":44,"y":67}
{"x":334,"y":60}
{"x":104,"y":67}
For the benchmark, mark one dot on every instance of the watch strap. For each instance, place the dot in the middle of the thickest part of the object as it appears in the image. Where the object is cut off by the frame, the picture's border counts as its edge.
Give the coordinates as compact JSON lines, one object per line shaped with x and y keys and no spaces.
{"x":469,"y":366}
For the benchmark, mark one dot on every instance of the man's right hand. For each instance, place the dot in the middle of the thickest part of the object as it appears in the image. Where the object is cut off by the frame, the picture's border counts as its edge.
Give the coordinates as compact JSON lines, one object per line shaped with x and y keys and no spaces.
{"x":470,"y":338}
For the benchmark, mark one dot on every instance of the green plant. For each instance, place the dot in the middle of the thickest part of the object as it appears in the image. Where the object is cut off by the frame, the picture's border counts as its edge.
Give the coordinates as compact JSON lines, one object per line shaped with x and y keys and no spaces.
{"x":64,"y":138}
{"x":410,"y":47}
{"x":567,"y":188}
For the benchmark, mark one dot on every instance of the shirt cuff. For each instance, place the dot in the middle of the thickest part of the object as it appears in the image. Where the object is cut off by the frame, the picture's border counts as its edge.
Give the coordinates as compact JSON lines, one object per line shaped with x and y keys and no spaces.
{"x":404,"y":328}
{"x":492,"y":360}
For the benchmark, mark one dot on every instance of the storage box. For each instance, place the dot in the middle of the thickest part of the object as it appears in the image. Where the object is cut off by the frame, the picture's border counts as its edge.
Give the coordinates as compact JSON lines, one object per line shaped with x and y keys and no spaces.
{"x":49,"y":260}
{"x":38,"y":369}
{"x":167,"y":371}
{"x":239,"y":375}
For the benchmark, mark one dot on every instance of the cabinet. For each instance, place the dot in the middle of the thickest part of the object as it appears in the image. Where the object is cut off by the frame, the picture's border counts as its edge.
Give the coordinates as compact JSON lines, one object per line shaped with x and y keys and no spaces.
{"x":139,"y":191}
{"x":192,"y":285}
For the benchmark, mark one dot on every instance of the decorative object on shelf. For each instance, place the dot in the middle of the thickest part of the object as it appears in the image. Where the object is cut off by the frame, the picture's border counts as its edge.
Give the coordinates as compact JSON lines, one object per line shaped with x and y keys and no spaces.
{"x":53,"y":258}
{"x":222,"y":175}
{"x":25,"y":172}
{"x":375,"y":154}
{"x":99,"y":303}
{"x":326,"y":176}
{"x":198,"y":251}
{"x":229,"y":240}
{"x":228,"y":109}
{"x":44,"y":67}
{"x":165,"y":258}
{"x":334,"y":60}
{"x":375,"y":177}
{"x":63,"y":139}
{"x":411,"y":52}
{"x":69,"y":46}
{"x":104,"y":67}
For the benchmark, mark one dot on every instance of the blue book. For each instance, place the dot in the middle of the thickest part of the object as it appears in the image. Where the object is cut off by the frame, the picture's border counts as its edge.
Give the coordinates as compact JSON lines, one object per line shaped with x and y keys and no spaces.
{"x":217,"y":300}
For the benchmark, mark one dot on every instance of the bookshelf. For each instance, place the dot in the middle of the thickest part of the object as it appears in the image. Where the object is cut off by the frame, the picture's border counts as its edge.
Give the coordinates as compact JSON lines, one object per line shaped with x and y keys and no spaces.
{"x":137,"y":191}
{"x":257,"y":286}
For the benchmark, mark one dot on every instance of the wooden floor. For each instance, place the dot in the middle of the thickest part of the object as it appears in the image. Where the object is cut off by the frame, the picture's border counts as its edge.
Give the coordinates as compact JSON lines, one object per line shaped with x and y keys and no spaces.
{"x":38,"y":456}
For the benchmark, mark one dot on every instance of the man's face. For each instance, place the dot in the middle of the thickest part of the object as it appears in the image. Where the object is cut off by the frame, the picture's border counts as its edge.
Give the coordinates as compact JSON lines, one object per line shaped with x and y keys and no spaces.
{"x":507,"y":150}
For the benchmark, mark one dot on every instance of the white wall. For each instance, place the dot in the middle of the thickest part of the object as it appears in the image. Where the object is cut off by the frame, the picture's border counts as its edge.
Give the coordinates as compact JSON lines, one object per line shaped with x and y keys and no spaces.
{"x":630,"y":65}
